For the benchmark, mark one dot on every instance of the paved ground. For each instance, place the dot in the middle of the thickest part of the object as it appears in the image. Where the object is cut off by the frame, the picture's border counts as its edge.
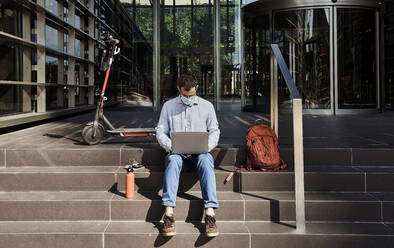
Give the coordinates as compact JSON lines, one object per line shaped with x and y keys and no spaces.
{"x":356,"y":131}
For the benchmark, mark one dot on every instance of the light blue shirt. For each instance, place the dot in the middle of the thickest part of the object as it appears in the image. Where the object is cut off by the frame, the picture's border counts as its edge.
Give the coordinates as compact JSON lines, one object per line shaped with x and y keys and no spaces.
{"x":177,"y":117}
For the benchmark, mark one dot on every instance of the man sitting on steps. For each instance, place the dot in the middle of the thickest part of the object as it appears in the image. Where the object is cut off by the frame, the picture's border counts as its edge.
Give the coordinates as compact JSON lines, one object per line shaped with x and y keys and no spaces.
{"x":190,"y":113}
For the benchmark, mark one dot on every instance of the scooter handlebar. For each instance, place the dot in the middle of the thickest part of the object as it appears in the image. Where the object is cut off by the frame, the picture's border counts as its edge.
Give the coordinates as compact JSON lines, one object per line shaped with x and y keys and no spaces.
{"x":112,"y":41}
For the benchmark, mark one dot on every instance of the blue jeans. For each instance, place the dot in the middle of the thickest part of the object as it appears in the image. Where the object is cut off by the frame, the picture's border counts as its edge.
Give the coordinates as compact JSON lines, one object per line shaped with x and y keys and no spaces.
{"x":176,"y":163}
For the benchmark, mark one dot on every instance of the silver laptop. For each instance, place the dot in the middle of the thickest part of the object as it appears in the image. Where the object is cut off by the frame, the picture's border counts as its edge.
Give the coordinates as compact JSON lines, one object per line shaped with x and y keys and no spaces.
{"x":189,"y":142}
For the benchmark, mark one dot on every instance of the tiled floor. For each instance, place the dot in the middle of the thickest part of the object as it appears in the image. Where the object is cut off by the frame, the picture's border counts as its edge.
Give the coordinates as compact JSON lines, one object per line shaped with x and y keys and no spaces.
{"x":356,"y":131}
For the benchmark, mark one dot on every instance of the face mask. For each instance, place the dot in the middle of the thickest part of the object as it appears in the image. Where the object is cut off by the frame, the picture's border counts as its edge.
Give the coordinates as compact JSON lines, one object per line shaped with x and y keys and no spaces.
{"x":188,"y":101}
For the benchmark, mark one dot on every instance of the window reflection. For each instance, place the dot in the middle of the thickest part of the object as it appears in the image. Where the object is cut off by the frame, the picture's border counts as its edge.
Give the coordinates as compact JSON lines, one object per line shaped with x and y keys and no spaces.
{"x":230,"y":90}
{"x":51,"y":5}
{"x":187,"y":46}
{"x":77,"y":48}
{"x":9,"y":21}
{"x":10,"y":99}
{"x":77,"y":21}
{"x":51,"y":39}
{"x":257,"y":64}
{"x":304,"y":39}
{"x":356,"y":58}
{"x":389,"y":54}
{"x":51,"y":64}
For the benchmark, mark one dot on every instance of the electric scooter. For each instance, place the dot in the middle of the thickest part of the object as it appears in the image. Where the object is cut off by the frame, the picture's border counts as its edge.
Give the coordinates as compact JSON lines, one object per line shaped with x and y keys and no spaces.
{"x":94,"y":132}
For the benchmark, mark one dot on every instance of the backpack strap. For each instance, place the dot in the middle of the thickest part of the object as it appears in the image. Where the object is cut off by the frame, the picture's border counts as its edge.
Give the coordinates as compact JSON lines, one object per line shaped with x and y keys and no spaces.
{"x":282,"y":164}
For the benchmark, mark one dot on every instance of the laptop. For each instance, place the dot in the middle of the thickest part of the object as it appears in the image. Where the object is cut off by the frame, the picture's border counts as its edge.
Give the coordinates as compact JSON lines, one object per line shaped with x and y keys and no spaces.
{"x":189,"y":142}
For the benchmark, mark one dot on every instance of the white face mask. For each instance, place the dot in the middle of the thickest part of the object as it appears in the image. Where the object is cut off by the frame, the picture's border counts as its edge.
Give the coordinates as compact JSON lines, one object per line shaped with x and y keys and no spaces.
{"x":188,"y":101}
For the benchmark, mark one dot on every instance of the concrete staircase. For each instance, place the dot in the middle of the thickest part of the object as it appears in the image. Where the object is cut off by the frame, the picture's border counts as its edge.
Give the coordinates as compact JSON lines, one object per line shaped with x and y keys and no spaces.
{"x":67,"y":197}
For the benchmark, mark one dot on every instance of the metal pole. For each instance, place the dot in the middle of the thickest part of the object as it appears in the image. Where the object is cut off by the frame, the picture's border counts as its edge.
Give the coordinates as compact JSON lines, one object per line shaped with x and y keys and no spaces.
{"x":274,"y":93}
{"x":299,"y":165}
{"x":217,"y":53}
{"x":242,"y":60}
{"x":156,"y":55}
{"x":335,"y":59}
{"x":377,"y":55}
{"x":382,"y":61}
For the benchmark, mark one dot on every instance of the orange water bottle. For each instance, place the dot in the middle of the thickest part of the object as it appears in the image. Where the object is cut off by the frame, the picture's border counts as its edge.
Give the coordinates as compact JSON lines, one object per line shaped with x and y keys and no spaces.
{"x":130,"y":178}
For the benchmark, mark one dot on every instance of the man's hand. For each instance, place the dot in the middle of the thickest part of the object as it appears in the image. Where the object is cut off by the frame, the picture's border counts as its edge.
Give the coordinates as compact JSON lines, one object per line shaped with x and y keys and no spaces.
{"x":209,"y":149}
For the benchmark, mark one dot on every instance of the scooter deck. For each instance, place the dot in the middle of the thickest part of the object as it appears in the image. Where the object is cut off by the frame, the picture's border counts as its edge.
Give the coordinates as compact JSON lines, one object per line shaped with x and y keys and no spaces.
{"x":133,"y":130}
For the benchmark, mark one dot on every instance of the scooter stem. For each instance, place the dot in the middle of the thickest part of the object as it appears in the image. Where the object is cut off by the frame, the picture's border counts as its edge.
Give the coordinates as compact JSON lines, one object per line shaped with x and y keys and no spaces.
{"x":105,"y":81}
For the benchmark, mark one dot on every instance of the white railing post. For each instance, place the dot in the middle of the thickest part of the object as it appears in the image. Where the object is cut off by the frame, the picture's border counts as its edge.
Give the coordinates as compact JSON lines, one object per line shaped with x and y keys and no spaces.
{"x":299,"y":164}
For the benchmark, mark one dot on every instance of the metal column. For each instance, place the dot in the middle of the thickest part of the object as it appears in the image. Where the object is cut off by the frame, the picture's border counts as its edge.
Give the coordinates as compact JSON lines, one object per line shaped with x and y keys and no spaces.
{"x":156,"y":55}
{"x":217,"y":63}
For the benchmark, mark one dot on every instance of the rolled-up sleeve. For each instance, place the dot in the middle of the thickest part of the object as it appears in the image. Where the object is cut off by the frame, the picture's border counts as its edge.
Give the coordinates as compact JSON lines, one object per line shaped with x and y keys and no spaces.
{"x":212,"y":128}
{"x":163,"y":130}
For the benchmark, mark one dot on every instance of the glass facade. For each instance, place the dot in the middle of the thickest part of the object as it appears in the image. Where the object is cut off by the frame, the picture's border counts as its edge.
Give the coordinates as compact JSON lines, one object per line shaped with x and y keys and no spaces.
{"x":10,"y":99}
{"x":356,"y":58}
{"x":304,"y":39}
{"x":187,"y":31}
{"x":54,"y":64}
{"x":230,"y":47}
{"x":11,"y":96}
{"x":186,"y":34}
{"x":332,"y":52}
{"x":10,"y":18}
{"x":389,"y":55}
{"x":142,"y":13}
{"x":257,"y":37}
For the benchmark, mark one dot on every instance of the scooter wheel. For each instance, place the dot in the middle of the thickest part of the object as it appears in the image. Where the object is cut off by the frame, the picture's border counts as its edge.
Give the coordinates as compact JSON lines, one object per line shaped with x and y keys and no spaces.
{"x":87,"y":134}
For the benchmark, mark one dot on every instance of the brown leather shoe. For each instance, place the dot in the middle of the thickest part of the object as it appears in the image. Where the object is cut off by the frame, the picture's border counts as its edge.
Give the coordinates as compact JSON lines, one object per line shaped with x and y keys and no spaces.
{"x":211,"y":229}
{"x":169,"y":226}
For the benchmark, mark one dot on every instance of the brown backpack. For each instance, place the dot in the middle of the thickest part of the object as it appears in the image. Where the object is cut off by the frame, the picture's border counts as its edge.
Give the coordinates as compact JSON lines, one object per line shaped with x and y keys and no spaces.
{"x":262,"y":149}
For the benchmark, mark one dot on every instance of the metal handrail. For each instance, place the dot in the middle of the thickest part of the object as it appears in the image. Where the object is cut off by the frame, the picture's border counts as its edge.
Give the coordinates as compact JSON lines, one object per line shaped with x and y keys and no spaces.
{"x":277,"y":60}
{"x":294,"y":94}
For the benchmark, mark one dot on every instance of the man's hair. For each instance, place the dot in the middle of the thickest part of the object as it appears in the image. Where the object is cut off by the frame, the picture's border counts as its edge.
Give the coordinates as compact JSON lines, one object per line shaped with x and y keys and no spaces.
{"x":188,"y":81}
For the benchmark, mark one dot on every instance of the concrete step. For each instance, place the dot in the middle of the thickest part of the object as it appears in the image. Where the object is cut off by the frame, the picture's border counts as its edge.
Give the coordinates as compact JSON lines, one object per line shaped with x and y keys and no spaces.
{"x":115,"y":234}
{"x":151,"y":154}
{"x":83,"y":178}
{"x":103,"y":178}
{"x":245,"y":206}
{"x":317,"y":178}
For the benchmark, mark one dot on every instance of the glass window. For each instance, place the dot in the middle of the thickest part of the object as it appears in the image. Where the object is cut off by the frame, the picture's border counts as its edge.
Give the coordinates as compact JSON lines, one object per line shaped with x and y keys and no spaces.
{"x":56,"y":97}
{"x":10,"y":99}
{"x":10,"y":63}
{"x":77,"y":48}
{"x":81,"y":96}
{"x":65,"y":43}
{"x":65,"y":12}
{"x":230,"y":88}
{"x":77,"y":21}
{"x":51,"y":69}
{"x":187,"y":47}
{"x":9,"y":21}
{"x":51,"y":5}
{"x":51,"y":38}
{"x":144,"y":19}
{"x":141,"y":52}
{"x":356,"y":58}
{"x":389,"y":54}
{"x":304,"y":39}
{"x":257,"y":64}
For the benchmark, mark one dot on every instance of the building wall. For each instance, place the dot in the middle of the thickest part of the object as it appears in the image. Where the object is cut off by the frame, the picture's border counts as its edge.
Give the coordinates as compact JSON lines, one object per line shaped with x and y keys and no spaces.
{"x":50,"y":54}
